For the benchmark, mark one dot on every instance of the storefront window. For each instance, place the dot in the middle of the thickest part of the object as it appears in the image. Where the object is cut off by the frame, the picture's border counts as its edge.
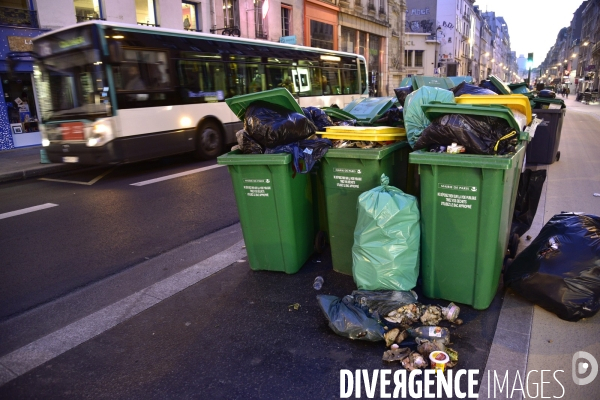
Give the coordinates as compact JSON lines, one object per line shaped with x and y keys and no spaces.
{"x":145,"y":12}
{"x":188,"y":11}
{"x":321,"y":35}
{"x":348,"y":39}
{"x":20,"y":102}
{"x":87,"y":9}
{"x":362,"y":43}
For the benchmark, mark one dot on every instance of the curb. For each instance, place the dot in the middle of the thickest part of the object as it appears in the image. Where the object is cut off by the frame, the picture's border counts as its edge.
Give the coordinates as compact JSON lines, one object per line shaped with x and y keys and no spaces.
{"x":35,"y":172}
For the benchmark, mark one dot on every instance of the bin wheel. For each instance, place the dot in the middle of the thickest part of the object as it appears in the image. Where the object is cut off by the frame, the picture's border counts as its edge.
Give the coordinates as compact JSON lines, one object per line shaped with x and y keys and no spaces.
{"x":513,"y":245}
{"x":320,"y":241}
{"x":557,"y":155}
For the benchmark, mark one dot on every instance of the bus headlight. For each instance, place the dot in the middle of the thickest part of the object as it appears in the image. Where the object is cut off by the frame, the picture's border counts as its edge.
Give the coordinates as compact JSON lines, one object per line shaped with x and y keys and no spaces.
{"x":101,"y":133}
{"x":45,"y":142}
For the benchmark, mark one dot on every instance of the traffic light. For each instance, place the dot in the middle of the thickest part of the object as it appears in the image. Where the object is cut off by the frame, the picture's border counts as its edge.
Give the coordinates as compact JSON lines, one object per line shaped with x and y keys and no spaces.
{"x":529,"y":60}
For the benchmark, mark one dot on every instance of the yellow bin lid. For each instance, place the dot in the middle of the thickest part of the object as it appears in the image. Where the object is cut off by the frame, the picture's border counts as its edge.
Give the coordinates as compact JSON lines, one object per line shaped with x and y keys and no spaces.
{"x":370,"y":133}
{"x":517,"y":102}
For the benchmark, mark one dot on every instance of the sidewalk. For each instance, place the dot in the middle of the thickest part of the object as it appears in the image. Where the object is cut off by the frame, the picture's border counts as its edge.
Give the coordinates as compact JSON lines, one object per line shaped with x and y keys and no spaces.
{"x":25,"y":162}
{"x":230,"y":334}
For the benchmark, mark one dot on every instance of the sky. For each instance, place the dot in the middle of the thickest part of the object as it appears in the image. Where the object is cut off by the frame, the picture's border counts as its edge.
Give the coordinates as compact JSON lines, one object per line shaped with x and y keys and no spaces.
{"x":533,"y":25}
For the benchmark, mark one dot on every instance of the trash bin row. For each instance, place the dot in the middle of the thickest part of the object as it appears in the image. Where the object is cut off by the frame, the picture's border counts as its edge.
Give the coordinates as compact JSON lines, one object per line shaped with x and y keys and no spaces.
{"x":466,"y":202}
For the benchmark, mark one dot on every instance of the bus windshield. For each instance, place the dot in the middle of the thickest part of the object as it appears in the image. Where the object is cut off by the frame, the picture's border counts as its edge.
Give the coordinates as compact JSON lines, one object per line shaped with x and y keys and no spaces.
{"x":72,"y":85}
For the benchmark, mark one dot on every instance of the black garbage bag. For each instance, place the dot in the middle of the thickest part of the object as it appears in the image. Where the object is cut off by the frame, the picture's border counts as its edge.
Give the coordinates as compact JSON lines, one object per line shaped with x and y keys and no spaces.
{"x":318,"y":117}
{"x":393,"y":116}
{"x":466,"y":88}
{"x":305,"y":152}
{"x":528,"y":198}
{"x":272,"y":126}
{"x":346,"y":122}
{"x":490,"y":86}
{"x":478,"y":134}
{"x":349,"y":320}
{"x":402,"y":92}
{"x":382,"y":302}
{"x":560,"y":269}
{"x":548,"y":94}
{"x":246,"y":144}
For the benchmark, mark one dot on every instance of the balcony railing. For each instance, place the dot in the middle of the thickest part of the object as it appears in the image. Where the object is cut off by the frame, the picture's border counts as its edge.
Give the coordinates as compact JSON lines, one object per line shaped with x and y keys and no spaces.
{"x":18,"y":17}
{"x":83,"y":18}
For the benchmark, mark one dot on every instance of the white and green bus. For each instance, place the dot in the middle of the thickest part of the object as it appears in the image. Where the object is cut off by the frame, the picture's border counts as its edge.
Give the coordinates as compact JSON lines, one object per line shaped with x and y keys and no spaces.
{"x":112,"y":93}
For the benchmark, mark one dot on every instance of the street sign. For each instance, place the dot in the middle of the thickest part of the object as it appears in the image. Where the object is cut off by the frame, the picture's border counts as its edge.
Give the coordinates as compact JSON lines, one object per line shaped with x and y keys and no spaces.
{"x":288,"y":39}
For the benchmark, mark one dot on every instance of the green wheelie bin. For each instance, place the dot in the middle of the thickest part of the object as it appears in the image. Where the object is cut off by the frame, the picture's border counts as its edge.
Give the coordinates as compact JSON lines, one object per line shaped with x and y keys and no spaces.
{"x":276,"y":210}
{"x":467,"y":203}
{"x":347,"y":173}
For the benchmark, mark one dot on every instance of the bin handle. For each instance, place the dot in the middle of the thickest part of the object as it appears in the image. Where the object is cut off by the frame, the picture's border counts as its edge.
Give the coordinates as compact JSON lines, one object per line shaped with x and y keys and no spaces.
{"x":508,"y":135}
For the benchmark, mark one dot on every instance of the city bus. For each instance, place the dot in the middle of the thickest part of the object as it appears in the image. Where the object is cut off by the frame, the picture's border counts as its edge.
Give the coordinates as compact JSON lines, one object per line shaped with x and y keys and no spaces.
{"x":112,"y":93}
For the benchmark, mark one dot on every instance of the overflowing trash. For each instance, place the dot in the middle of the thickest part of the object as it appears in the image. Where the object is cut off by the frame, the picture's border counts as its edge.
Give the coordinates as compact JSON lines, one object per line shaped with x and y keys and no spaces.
{"x":466,"y":88}
{"x":304,"y":152}
{"x":560,"y":269}
{"x":414,"y":117}
{"x":385,"y":254}
{"x":478,"y":134}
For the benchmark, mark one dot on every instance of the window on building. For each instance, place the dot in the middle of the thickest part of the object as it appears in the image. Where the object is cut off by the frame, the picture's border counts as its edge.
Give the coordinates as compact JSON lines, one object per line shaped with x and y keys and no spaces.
{"x":228,"y":14}
{"x":259,"y":28}
{"x":87,"y":9}
{"x":190,"y":16}
{"x":408,"y":56}
{"x":321,"y":35}
{"x":348,"y":39}
{"x":145,"y":12}
{"x":419,"y":58}
{"x":286,"y":20}
{"x":362,"y":43}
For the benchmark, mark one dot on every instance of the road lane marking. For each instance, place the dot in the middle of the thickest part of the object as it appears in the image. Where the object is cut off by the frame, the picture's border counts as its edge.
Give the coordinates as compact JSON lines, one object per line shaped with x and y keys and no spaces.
{"x":27,"y":210}
{"x":165,"y":178}
{"x":40,"y":351}
{"x":96,"y":179}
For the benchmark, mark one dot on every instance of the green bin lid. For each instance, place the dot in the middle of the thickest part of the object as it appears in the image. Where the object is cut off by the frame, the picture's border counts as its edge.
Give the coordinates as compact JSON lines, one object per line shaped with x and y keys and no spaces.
{"x":369,"y":108}
{"x":457,"y":80}
{"x":500,"y":85}
{"x":434,"y":81}
{"x":280,"y":97}
{"x":338,"y":113}
{"x":406,"y":82}
{"x":518,"y":88}
{"x":436,"y":109}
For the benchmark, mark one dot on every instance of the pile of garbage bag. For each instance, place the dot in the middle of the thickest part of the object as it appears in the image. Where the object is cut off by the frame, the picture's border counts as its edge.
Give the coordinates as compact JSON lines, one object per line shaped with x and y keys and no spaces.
{"x":414,"y":117}
{"x":560,"y":269}
{"x":396,"y":318}
{"x":270,"y":129}
{"x":478,"y":134}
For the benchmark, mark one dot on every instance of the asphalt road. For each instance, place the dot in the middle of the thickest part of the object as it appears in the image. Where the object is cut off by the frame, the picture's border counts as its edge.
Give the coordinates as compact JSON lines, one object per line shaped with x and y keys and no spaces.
{"x":103,"y":224}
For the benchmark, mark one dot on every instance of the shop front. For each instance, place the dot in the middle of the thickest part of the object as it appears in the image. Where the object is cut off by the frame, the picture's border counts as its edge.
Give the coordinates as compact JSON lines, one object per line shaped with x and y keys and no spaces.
{"x":18,"y":106}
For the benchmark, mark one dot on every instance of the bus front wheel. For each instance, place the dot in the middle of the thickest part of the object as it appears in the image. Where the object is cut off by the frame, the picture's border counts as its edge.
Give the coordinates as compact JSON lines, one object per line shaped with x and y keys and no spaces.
{"x":209,"y":141}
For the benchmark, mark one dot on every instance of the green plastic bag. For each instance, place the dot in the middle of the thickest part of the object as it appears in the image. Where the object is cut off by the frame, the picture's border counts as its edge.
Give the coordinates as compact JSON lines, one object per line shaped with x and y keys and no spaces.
{"x":385,"y":254}
{"x":414,"y":117}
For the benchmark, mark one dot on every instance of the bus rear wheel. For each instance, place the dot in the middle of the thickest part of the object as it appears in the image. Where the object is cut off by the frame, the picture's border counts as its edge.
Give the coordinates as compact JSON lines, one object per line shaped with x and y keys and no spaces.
{"x":209,"y":141}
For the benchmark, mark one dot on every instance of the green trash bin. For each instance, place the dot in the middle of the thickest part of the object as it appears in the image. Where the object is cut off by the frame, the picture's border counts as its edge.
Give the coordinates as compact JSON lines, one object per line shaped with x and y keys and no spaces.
{"x":467,"y":203}
{"x":276,"y":210}
{"x":347,"y":173}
